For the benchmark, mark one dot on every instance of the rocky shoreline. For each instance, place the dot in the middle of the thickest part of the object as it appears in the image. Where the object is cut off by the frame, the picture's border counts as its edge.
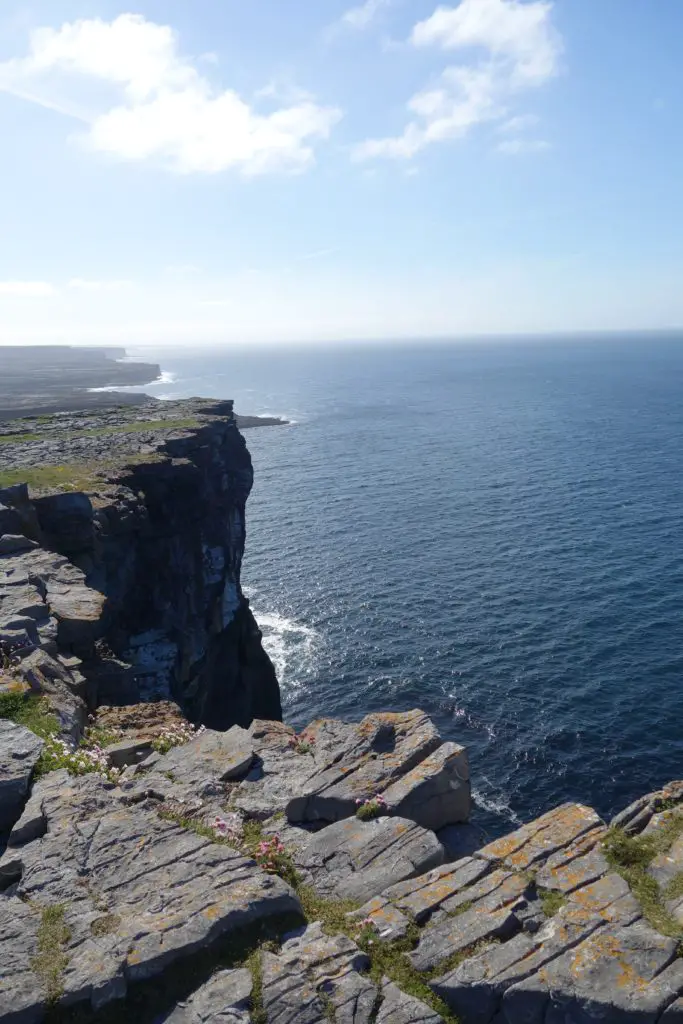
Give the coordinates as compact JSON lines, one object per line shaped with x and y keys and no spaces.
{"x":172,"y":852}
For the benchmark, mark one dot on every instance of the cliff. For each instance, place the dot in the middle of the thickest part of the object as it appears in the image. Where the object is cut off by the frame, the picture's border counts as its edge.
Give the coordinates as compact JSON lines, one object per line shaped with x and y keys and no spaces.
{"x":120,"y":562}
{"x":156,"y":872}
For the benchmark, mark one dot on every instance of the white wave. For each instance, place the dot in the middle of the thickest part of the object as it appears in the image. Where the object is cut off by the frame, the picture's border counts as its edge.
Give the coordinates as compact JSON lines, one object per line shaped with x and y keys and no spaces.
{"x":495,"y":805}
{"x":167,"y":377}
{"x":292,"y":646}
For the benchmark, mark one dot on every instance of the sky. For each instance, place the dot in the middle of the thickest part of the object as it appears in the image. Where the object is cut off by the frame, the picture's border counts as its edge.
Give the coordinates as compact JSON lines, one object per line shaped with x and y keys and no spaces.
{"x":309,"y":170}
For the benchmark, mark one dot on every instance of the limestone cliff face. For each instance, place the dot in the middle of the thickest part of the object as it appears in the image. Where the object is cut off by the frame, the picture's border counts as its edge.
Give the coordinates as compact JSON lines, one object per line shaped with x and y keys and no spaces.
{"x":161,"y":538}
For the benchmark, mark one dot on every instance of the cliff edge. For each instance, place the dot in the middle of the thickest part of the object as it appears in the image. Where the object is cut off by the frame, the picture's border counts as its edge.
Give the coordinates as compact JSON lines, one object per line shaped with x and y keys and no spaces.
{"x":122,"y":537}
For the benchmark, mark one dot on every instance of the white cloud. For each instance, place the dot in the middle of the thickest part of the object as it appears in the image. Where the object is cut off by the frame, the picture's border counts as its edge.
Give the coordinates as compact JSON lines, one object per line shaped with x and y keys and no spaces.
{"x":27,"y":289}
{"x":518,"y":146}
{"x":81,"y":284}
{"x":157,"y":105}
{"x":519,"y":33}
{"x":521,"y":50}
{"x":363,"y":16}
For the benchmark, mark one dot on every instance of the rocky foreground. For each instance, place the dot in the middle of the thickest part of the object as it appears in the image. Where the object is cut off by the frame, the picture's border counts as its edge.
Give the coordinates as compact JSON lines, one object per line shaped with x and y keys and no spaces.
{"x":257,"y":875}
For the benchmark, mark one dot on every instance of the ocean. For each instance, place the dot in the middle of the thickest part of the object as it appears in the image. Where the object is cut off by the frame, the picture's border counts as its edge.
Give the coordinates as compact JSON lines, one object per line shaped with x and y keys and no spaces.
{"x":487,"y":530}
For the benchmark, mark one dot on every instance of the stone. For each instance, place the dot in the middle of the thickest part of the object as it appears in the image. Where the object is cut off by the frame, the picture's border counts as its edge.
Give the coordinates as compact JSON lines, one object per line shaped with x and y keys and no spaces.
{"x":398,"y":1008}
{"x":139,"y":892}
{"x":389,"y":922}
{"x":11,"y":543}
{"x":210,"y":756}
{"x":436,"y":792}
{"x":424,"y":895}
{"x":575,"y":865}
{"x":456,"y":934}
{"x":359,"y":762}
{"x":19,"y":753}
{"x":128,"y":752}
{"x":315,"y":978}
{"x":224,"y":999}
{"x":609,"y":976}
{"x":636,"y":817}
{"x":534,"y":843}
{"x":471,"y":989}
{"x":355,"y":859}
{"x":23,"y":996}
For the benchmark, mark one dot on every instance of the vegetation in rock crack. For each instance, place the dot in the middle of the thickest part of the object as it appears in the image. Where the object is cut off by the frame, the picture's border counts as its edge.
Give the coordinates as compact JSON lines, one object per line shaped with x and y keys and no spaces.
{"x":551,"y":901}
{"x":674,"y":889}
{"x":175,"y":736}
{"x":303,"y":744}
{"x":150,"y":1000}
{"x":31,"y":711}
{"x":51,"y":961}
{"x":631,"y":856}
{"x":258,"y":1013}
{"x":83,"y":760}
{"x":371,"y":808}
{"x":386,"y":958}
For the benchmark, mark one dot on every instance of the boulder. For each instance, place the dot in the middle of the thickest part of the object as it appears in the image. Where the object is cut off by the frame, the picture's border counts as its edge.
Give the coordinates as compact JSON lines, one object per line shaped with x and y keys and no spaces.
{"x":215,"y":756}
{"x":19,"y":753}
{"x":355,"y":859}
{"x":436,"y":792}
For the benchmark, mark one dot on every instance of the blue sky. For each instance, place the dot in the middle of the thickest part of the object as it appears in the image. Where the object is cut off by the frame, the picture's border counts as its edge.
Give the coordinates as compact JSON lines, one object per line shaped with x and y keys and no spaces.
{"x":311,"y":170}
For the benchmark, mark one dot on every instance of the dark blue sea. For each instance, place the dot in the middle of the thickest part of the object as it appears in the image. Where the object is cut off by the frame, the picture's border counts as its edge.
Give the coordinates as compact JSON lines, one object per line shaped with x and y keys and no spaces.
{"x":492,"y":531}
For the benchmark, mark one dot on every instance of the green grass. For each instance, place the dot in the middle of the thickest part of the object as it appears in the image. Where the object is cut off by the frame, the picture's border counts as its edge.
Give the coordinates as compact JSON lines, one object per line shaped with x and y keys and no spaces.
{"x":551,"y":901}
{"x":630,"y":856}
{"x":51,"y":961}
{"x":124,"y":428}
{"x":73,"y":476}
{"x":31,"y":711}
{"x":258,"y":1013}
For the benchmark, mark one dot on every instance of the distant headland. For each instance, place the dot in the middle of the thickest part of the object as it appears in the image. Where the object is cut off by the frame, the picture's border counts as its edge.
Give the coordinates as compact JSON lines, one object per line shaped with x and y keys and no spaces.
{"x":40,"y":380}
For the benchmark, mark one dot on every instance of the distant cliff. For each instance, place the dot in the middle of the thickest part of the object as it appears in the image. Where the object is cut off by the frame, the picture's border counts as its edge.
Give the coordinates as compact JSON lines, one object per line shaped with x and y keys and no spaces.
{"x":132,"y":585}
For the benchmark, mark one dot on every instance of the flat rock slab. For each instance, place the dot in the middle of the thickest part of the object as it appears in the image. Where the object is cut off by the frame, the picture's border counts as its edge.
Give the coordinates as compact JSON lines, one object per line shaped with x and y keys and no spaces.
{"x":532,"y":844}
{"x":19,"y":753}
{"x":138,"y":892}
{"x":211,"y":756}
{"x":354,"y":860}
{"x":457,"y":934}
{"x":224,"y":999}
{"x":614,"y":975}
{"x":317,"y":978}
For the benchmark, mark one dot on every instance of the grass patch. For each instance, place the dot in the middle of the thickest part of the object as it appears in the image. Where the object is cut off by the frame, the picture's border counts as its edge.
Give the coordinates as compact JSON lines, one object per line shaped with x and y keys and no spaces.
{"x":31,"y":711}
{"x":125,"y":428}
{"x":630,"y":856}
{"x":105,"y":925}
{"x":258,"y":1013}
{"x":69,"y":477}
{"x":52,"y":961}
{"x":674,"y":890}
{"x":73,"y":476}
{"x":551,"y":901}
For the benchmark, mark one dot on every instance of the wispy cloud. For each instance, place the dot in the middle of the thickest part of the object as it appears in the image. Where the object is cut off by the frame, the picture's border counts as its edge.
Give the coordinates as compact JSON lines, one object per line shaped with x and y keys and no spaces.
{"x":358,"y":19}
{"x":27,"y":289}
{"x":517,"y":49}
{"x":165,"y":110}
{"x":318,"y":254}
{"x":515,"y":147}
{"x":83,"y":285}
